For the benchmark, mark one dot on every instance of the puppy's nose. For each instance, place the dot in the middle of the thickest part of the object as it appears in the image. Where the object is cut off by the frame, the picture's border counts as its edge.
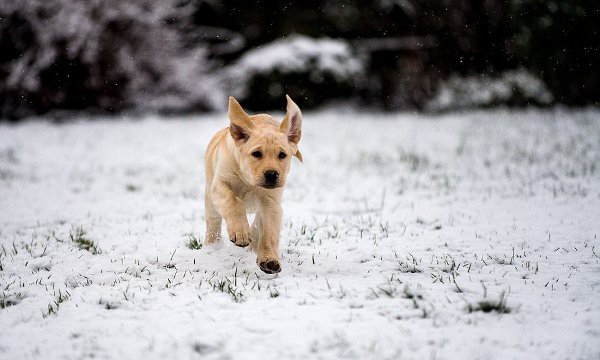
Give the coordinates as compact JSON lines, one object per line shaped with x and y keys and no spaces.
{"x":271,"y":177}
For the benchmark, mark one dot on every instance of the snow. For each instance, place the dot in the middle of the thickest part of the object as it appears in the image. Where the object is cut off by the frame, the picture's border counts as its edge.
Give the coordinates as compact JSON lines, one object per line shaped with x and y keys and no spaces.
{"x":299,"y":53}
{"x":483,"y":91}
{"x":128,"y":45}
{"x":296,"y":54}
{"x":395,"y":226}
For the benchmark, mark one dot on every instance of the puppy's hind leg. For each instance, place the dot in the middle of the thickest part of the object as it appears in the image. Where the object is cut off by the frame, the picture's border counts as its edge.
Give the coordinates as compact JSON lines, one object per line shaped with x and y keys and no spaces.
{"x":213,"y":222}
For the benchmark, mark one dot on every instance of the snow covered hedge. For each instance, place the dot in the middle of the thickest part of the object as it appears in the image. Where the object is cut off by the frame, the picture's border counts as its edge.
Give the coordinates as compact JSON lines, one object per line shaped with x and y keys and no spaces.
{"x":101,"y":54}
{"x":316,"y":70}
{"x":515,"y":87}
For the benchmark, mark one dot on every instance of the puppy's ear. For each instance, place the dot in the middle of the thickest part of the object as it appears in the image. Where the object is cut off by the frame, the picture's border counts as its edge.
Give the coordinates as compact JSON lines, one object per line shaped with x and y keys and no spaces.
{"x":299,"y":155}
{"x":239,"y":121}
{"x":292,"y":122}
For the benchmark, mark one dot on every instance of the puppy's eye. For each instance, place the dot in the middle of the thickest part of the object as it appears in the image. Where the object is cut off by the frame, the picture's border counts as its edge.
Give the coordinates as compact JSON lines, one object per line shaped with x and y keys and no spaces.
{"x":282,"y":155}
{"x":257,"y":154}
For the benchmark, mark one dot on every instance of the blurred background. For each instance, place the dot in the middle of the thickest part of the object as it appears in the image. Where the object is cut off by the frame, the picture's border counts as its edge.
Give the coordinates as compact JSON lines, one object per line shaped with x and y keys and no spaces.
{"x":61,"y":57}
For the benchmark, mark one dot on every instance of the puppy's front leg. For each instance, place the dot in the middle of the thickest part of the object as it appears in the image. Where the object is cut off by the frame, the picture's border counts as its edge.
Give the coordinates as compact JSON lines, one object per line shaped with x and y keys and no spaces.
{"x":233,"y":210}
{"x":267,"y":251}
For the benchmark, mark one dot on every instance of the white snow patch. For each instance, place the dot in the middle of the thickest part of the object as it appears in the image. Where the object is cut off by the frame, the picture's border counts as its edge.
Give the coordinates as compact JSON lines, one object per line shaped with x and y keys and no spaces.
{"x":399,"y":230}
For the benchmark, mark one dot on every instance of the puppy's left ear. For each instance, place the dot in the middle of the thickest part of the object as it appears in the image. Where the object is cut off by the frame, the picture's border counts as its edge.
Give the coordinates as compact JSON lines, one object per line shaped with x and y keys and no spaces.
{"x":292,"y":124}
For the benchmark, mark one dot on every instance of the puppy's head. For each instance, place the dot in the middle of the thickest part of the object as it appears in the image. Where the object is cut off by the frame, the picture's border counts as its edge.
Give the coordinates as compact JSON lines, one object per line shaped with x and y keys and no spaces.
{"x":264,"y":147}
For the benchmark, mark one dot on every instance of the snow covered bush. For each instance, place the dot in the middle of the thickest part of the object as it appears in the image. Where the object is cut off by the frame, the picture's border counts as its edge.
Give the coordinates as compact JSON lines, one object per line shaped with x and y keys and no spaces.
{"x":513,"y":87}
{"x":98,"y":54}
{"x":314,"y":70}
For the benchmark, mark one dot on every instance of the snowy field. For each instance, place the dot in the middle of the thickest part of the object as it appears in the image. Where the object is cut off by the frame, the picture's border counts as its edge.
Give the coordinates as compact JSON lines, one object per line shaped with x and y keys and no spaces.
{"x":461,"y":236}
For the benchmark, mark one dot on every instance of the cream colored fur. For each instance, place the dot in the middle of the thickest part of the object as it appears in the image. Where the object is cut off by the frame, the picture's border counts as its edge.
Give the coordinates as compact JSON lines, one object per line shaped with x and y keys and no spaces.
{"x":236,"y":179}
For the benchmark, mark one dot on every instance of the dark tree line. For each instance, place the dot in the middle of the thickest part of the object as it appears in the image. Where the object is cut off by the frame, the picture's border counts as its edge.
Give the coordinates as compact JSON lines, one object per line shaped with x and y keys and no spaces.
{"x":187,"y":55}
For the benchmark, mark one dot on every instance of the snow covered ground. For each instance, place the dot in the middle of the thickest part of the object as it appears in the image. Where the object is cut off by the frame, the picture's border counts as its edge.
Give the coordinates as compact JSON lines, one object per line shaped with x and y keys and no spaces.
{"x":467,"y":235}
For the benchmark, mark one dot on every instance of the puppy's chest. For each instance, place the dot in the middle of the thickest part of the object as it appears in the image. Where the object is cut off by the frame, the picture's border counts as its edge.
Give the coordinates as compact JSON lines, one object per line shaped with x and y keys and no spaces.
{"x":249,"y":196}
{"x":251,"y":202}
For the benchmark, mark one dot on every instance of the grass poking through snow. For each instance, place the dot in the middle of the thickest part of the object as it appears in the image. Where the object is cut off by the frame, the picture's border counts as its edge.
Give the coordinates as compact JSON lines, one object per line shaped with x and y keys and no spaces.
{"x":55,"y":305}
{"x":193,"y":242}
{"x":79,"y":237}
{"x":487,"y":306}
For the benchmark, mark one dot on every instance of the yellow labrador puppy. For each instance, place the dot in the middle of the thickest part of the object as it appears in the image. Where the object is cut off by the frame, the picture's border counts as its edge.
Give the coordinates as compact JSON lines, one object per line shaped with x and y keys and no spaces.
{"x":246,"y":166}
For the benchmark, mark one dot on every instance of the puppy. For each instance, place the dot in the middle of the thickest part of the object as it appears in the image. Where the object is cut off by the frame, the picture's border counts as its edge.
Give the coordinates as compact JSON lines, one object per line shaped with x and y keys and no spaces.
{"x":246,"y":167}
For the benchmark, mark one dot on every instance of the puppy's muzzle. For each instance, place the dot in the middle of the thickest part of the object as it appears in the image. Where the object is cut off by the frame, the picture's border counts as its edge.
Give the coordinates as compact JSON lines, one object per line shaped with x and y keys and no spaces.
{"x":270,"y":179}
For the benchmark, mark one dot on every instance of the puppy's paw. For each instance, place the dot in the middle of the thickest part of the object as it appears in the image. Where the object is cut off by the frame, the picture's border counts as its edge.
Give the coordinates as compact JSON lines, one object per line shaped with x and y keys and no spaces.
{"x":269,"y":265}
{"x":239,"y":234}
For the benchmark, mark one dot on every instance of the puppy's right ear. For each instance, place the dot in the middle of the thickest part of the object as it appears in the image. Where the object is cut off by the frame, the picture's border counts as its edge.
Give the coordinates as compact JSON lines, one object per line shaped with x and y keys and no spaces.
{"x":239,"y":121}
